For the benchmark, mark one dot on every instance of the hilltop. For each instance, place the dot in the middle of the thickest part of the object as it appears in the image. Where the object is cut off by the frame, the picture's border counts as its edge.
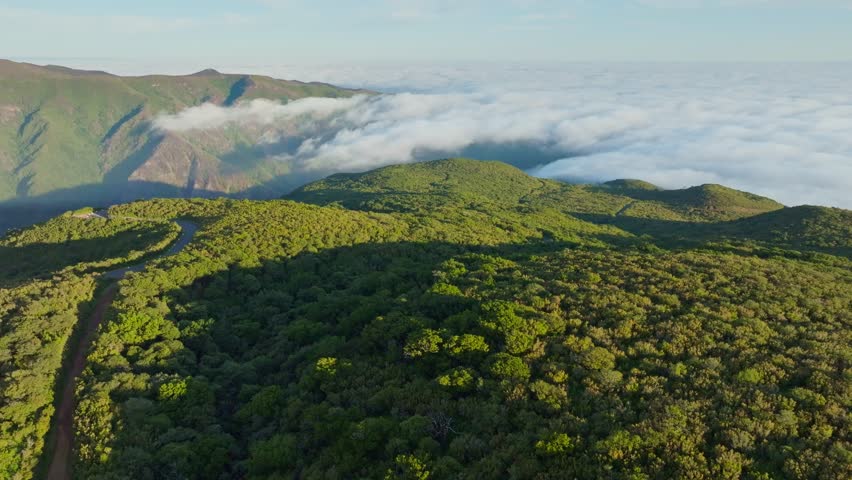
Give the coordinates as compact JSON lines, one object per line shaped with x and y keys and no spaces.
{"x":631,"y":184}
{"x":429,"y":184}
{"x":423,"y":185}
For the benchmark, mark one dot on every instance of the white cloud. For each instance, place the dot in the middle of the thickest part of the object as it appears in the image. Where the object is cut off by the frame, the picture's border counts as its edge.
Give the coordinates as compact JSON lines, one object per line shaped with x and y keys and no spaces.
{"x":776,"y":130}
{"x":258,"y":111}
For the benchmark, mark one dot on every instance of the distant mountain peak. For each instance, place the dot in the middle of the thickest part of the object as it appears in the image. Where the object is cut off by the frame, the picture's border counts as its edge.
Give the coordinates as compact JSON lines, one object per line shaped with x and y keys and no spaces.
{"x":208,"y":72}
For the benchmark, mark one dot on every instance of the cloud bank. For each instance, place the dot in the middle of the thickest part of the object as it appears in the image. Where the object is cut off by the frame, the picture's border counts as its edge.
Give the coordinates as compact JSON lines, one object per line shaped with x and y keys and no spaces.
{"x":259,"y":111}
{"x":780,"y":131}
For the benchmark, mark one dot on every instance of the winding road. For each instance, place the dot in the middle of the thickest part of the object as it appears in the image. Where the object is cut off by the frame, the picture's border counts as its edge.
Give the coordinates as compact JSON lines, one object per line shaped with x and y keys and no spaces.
{"x":188,"y":230}
{"x":63,"y":423}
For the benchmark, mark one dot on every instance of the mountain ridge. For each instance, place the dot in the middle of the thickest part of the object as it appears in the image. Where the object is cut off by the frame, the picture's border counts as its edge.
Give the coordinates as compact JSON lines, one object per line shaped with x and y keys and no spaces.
{"x":61,"y":128}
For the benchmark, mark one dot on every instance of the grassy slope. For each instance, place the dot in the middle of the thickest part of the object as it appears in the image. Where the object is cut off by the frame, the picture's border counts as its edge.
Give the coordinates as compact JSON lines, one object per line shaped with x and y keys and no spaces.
{"x":700,"y":203}
{"x":805,"y":228}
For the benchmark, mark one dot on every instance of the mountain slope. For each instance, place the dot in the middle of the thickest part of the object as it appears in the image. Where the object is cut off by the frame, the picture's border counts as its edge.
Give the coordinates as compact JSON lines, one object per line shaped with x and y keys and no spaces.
{"x":66,"y":134}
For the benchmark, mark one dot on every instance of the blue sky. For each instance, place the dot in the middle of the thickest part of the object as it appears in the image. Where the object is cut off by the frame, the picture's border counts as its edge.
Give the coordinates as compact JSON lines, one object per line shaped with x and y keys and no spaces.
{"x":430,"y":30}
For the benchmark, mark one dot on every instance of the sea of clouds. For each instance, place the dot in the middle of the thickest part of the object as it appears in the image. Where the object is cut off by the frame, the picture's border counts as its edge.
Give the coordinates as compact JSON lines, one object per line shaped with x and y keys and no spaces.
{"x":780,"y":130}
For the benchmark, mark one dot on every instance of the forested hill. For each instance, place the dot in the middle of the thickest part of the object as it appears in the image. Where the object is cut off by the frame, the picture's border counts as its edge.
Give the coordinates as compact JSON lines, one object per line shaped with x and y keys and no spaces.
{"x":692,"y":216}
{"x":69,"y":136}
{"x":450,"y":319}
{"x":453,"y":181}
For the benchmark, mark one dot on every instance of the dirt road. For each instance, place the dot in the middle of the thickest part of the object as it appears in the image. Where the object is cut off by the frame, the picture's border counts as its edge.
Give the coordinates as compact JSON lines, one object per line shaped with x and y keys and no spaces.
{"x":64,"y":417}
{"x":63,"y":422}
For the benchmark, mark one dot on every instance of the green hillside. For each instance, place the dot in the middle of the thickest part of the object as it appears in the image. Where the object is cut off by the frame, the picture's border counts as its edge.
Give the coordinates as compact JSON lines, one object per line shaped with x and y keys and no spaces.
{"x":700,"y":203}
{"x":448,"y":319}
{"x":805,"y":227}
{"x":68,"y":136}
{"x":425,"y":185}
{"x":461,"y":181}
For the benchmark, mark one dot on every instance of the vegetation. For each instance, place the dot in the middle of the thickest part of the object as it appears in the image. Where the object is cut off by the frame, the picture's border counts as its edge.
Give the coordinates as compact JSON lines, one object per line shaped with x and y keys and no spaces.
{"x":701,"y":203}
{"x":806,"y":228}
{"x":458,"y":319}
{"x":46,"y":286}
{"x":583,"y":362}
{"x":84,"y":244}
{"x":456,"y":181}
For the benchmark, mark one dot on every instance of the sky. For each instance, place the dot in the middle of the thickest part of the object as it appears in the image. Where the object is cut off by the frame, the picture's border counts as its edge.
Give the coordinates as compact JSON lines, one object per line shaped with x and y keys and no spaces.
{"x":429,"y":30}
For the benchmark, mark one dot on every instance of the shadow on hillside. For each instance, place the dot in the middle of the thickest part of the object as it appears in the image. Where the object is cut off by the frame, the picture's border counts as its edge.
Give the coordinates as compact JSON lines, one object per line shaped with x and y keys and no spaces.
{"x":18,"y":213}
{"x":385,"y":201}
{"x":125,"y":168}
{"x":280,"y":186}
{"x":667,"y":232}
{"x":248,"y":328}
{"x":755,"y":235}
{"x":43,"y":260}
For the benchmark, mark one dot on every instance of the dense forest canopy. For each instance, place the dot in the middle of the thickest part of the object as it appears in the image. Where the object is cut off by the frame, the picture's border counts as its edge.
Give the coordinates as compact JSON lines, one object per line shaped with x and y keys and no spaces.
{"x":47,"y":283}
{"x":449,"y":319}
